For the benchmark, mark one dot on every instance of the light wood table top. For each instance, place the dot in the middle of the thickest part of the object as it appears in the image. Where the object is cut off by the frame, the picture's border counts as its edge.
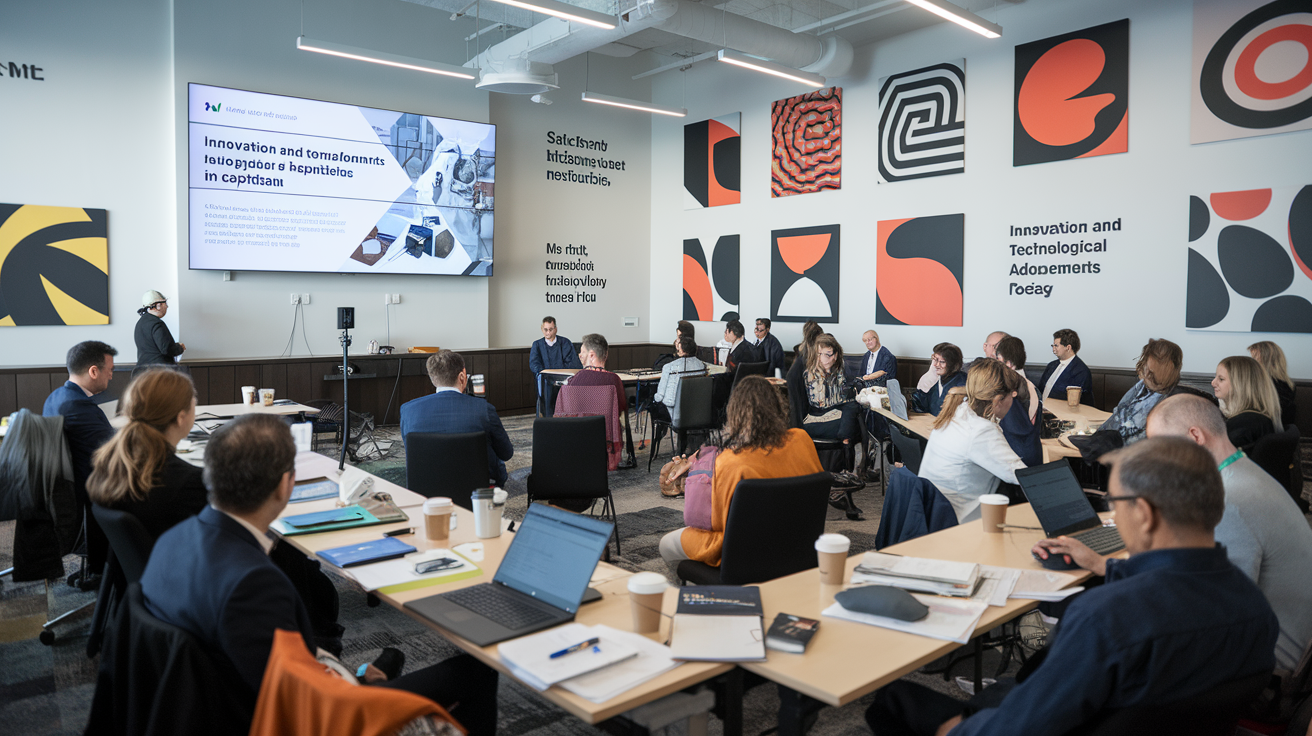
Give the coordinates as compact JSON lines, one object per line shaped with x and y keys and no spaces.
{"x":626,"y":377}
{"x":845,"y":660}
{"x":225,"y":411}
{"x":612,"y":610}
{"x":923,"y":424}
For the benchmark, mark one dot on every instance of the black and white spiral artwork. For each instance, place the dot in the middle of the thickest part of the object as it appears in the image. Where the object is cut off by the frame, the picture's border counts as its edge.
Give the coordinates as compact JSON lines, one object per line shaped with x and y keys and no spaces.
{"x":922,"y":122}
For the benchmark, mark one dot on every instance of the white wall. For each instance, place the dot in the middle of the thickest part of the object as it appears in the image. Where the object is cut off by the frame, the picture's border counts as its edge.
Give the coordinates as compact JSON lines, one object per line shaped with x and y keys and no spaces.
{"x":97,"y":133}
{"x":613,"y":222}
{"x":1138,"y":295}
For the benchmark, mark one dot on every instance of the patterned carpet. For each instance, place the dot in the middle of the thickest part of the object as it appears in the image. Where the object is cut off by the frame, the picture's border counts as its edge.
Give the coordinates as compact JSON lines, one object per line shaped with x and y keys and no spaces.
{"x":48,"y":690}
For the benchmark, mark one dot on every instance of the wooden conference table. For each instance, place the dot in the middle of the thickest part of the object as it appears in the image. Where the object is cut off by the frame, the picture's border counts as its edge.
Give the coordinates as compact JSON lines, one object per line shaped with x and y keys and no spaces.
{"x":923,"y":424}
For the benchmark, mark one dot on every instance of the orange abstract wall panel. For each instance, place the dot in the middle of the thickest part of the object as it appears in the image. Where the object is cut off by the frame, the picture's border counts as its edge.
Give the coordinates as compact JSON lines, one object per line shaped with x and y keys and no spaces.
{"x":919,"y":271}
{"x":712,"y":162}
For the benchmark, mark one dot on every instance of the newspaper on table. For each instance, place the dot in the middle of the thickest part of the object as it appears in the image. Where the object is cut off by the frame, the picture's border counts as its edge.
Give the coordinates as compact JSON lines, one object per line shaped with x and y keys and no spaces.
{"x":599,"y":685}
{"x":951,"y":619}
{"x":1045,"y":585}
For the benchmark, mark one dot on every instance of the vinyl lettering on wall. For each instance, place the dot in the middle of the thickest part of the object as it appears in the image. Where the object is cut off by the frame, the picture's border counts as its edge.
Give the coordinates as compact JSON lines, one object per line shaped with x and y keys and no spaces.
{"x":571,"y":275}
{"x":21,"y":71}
{"x":587,"y":167}
{"x":1059,"y":250}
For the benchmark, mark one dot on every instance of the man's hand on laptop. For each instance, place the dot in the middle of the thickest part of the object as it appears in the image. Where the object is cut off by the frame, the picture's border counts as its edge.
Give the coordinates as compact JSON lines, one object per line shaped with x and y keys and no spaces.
{"x":1072,"y":549}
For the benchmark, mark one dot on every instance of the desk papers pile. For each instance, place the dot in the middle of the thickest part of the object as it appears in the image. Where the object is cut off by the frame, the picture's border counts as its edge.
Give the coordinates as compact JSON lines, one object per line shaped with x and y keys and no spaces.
{"x":957,"y":579}
{"x":952,"y":619}
{"x":394,"y":576}
{"x":633,"y":660}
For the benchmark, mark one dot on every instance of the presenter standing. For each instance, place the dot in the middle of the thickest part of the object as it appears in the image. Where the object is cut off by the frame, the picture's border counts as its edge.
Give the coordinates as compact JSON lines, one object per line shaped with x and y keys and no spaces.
{"x":155,"y":345}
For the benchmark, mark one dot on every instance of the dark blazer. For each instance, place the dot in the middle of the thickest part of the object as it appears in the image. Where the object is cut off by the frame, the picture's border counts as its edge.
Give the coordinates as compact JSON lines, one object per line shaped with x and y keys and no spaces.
{"x":561,"y":355}
{"x":770,"y":350}
{"x":1288,"y":408}
{"x":154,"y":341}
{"x":745,"y":352}
{"x":932,"y":401}
{"x":1076,"y":374}
{"x":1022,"y":435}
{"x":85,"y":427}
{"x":209,"y":576}
{"x":178,"y":494}
{"x":884,"y":361}
{"x":1247,"y":427}
{"x":451,"y":412}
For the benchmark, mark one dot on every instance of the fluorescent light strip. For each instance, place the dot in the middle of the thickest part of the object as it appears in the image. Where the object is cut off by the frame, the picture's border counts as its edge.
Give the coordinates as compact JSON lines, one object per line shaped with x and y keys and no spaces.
{"x":379,"y":57}
{"x":600,"y":99}
{"x":769,"y":67}
{"x":960,"y":16}
{"x":566,"y":11}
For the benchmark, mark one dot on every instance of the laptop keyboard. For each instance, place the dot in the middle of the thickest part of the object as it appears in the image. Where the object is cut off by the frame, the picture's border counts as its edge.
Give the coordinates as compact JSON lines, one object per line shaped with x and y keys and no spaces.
{"x":498,"y":606}
{"x":1104,"y":540}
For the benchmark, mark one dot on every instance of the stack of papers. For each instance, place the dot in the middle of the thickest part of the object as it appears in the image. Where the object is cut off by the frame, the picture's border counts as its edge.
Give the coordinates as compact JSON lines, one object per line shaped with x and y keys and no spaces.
{"x":949,"y":619}
{"x":394,"y":576}
{"x":620,"y":661}
{"x":957,"y":579}
{"x":1045,"y":585}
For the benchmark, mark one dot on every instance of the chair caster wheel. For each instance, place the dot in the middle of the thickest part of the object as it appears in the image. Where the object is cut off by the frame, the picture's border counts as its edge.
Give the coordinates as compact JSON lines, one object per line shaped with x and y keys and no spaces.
{"x":371,"y":600}
{"x":47,"y":637}
{"x":854,"y":516}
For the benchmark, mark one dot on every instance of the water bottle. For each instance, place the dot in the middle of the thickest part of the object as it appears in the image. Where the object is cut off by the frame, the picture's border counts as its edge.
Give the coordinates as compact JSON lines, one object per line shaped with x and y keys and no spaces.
{"x":487,"y":514}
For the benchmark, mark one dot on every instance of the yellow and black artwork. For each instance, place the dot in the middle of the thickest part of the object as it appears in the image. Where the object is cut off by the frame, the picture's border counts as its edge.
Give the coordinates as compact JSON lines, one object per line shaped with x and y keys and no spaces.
{"x":54,"y":266}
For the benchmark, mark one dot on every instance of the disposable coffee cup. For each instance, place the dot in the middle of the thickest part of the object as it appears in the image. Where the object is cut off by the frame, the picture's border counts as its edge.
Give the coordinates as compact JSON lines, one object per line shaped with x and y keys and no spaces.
{"x":993,"y":509}
{"x":1073,"y":397}
{"x":248,"y":395}
{"x":266,"y":396}
{"x":646,"y":594}
{"x":832,"y":551}
{"x":437,"y":518}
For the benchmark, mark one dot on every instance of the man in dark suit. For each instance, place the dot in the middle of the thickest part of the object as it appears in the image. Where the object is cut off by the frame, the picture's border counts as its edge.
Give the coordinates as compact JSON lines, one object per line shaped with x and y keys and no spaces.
{"x":86,"y":428}
{"x":878,"y":364}
{"x":211,"y":576}
{"x":550,"y":351}
{"x":449,"y":411}
{"x":740,"y":351}
{"x":1067,"y":370}
{"x":768,"y":347}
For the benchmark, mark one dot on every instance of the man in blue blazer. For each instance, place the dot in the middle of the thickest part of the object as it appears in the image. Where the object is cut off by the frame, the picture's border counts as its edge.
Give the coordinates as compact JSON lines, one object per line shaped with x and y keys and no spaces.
{"x":879,"y":364}
{"x":768,"y":347}
{"x":449,"y":411}
{"x":86,"y":428}
{"x":550,"y":351}
{"x":1067,"y":370}
{"x":211,"y":575}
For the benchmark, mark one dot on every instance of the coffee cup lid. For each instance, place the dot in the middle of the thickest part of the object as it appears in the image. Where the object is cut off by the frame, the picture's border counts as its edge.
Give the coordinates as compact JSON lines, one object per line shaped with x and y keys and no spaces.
{"x":247,"y":388}
{"x":437,"y":503}
{"x":995,"y":499}
{"x":833,"y":543}
{"x":647,"y":583}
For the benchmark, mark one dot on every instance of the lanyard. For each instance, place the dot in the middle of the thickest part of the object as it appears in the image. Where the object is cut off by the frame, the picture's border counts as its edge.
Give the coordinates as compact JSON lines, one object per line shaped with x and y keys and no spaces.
{"x":1230,"y":460}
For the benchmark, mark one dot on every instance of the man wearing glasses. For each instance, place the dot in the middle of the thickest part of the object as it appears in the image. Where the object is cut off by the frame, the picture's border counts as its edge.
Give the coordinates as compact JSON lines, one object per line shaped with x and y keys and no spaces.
{"x":768,"y":347}
{"x":1175,"y":621}
{"x":1068,"y":370}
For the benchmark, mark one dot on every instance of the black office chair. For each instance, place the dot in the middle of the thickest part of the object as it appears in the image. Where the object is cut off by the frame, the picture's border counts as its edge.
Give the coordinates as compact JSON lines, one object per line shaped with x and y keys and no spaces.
{"x":749,"y":369}
{"x":329,"y":419}
{"x":1278,"y":454}
{"x":696,"y":414}
{"x":770,"y":532}
{"x":129,"y":549}
{"x":1212,"y":713}
{"x":451,"y":465}
{"x":569,"y":465}
{"x":909,"y":447}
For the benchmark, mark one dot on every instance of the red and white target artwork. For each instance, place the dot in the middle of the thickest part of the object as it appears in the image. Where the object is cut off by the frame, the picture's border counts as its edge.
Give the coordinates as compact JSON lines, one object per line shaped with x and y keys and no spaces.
{"x":1252,"y":68}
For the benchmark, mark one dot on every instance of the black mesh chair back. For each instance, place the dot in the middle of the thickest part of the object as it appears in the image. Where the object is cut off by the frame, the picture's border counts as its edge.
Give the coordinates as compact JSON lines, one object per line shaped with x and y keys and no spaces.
{"x":770,"y":531}
{"x":909,"y":447}
{"x":695,"y":409}
{"x":451,"y":465}
{"x":128,"y":539}
{"x":1212,"y":713}
{"x":1278,"y":455}
{"x":750,"y":369}
{"x":569,"y":465}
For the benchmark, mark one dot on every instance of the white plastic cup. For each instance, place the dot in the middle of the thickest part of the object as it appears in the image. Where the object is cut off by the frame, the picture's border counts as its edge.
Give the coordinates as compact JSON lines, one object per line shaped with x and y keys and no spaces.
{"x":437,"y":518}
{"x":266,"y":397}
{"x":832,"y":551}
{"x":248,"y":395}
{"x":646,"y":594}
{"x":993,"y":510}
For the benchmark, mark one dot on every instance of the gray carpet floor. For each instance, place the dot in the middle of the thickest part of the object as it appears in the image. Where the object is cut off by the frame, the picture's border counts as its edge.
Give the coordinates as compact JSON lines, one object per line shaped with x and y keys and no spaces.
{"x":48,"y":690}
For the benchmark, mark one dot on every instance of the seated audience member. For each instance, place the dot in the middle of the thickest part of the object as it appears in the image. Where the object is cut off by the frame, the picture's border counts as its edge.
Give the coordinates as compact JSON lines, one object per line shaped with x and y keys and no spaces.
{"x":967,"y":455}
{"x":1159,"y":376}
{"x":810,"y":331}
{"x":944,"y":373}
{"x":594,"y":373}
{"x":1174,"y":621}
{"x":211,"y":576}
{"x":1248,"y":400}
{"x":740,"y":351}
{"x":1022,"y":424}
{"x":990,"y":348}
{"x":685,"y":329}
{"x":757,"y":444}
{"x":137,"y":471}
{"x":1067,"y":370}
{"x":1272,"y":359}
{"x":829,"y":415}
{"x":1262,"y":530}
{"x":550,"y":351}
{"x":879,"y":364}
{"x":665,"y":404}
{"x":767,"y":346}
{"x":448,"y":410}
{"x":86,"y":428}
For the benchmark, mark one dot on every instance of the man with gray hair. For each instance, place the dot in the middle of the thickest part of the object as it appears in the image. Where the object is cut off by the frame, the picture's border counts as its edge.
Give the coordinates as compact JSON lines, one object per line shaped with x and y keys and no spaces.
{"x":1263,"y":531}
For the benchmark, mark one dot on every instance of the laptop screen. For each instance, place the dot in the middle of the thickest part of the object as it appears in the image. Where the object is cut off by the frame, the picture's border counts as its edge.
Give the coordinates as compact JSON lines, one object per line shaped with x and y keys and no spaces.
{"x":1057,"y":498}
{"x":553,"y":555}
{"x":897,"y":402}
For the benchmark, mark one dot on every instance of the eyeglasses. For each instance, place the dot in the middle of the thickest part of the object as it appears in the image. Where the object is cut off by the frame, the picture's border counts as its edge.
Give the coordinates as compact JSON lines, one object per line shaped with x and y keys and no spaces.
{"x":1113,"y":499}
{"x":758,"y":328}
{"x":938,"y":361}
{"x":827,"y":355}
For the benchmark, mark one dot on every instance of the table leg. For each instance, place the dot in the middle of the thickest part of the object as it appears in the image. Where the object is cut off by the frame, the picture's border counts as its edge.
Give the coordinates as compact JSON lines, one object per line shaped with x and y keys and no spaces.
{"x":732,"y":711}
{"x":628,"y":441}
{"x":979,"y":663}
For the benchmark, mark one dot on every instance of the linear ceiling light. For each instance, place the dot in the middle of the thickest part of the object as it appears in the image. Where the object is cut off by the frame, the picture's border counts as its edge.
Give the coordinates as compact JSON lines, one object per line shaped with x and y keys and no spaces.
{"x":379,"y":57}
{"x":564,"y":10}
{"x":960,"y":16}
{"x":600,"y":99}
{"x":769,"y":67}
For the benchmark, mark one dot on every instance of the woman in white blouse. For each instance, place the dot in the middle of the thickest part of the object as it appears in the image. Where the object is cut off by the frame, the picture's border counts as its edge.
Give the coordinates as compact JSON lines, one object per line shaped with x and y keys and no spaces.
{"x":967,"y":456}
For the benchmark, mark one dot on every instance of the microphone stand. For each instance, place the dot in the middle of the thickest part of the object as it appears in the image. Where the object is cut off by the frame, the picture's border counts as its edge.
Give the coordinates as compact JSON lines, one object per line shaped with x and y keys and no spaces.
{"x":345,"y":339}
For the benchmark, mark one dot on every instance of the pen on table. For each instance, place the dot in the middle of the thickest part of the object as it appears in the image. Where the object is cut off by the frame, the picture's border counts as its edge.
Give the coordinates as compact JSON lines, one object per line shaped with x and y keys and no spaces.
{"x":576,"y":648}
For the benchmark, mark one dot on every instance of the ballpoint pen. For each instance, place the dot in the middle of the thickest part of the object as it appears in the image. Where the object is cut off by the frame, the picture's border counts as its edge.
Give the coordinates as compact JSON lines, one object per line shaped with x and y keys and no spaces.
{"x":576,"y":648}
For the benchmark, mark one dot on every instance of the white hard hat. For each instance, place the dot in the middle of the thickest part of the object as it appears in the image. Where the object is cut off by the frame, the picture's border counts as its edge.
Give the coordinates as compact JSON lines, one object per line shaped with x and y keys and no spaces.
{"x":151,"y":297}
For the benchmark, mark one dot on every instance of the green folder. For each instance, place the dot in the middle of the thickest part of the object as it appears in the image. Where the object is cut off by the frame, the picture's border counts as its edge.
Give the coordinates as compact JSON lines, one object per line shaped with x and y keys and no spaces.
{"x":287,"y":527}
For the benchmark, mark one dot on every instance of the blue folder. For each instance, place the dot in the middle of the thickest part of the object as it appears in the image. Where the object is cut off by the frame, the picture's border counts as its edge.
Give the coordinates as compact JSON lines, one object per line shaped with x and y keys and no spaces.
{"x":375,"y":550}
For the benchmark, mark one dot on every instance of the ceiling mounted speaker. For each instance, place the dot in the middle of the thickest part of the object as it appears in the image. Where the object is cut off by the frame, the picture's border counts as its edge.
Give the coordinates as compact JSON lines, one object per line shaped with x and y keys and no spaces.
{"x":519,"y":77}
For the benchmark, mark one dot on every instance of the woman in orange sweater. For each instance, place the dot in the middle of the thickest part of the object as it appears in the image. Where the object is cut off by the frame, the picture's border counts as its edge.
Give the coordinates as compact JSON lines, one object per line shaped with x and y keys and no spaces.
{"x":757,"y":444}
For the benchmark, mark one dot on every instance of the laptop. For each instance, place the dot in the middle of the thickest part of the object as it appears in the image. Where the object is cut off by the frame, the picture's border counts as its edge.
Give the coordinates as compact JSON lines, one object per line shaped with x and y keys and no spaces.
{"x":897,"y":402}
{"x":540,"y":583}
{"x":1062,"y":508}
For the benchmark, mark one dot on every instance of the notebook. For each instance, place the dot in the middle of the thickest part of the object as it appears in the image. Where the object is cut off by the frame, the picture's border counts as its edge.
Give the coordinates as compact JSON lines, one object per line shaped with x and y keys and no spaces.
{"x":718,"y":623}
{"x":347,"y":517}
{"x":374,"y":550}
{"x":1062,"y":508}
{"x":314,"y":490}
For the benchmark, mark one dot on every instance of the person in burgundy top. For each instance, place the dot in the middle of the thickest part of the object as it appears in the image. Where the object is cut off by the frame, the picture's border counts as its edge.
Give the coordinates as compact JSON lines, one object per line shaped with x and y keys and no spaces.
{"x":594,"y":371}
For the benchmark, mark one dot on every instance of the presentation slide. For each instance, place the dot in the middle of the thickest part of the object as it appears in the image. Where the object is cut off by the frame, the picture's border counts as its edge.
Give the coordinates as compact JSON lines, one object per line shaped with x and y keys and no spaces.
{"x":288,"y":184}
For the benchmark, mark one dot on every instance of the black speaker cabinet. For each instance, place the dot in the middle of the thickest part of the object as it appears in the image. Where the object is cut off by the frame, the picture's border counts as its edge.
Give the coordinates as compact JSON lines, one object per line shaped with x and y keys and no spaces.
{"x":346,"y":318}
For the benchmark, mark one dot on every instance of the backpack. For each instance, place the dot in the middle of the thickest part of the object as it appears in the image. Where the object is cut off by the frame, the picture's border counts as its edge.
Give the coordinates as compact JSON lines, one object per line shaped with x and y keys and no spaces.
{"x":672,"y":476}
{"x":697,"y":488}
